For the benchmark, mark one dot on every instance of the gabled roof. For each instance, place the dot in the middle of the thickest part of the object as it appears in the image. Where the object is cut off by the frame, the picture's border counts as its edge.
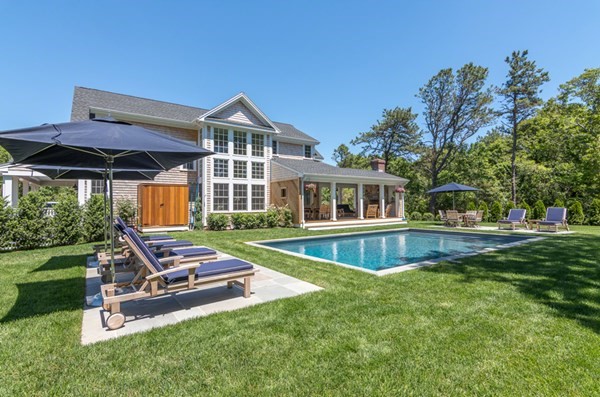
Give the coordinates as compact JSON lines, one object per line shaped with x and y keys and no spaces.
{"x":247,"y":102}
{"x":84,"y":98}
{"x":319,"y":168}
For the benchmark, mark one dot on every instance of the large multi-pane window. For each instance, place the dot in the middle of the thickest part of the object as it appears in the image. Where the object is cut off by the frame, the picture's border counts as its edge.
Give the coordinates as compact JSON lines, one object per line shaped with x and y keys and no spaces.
{"x":258,"y":145}
{"x":258,"y":170}
{"x":258,"y":197}
{"x":240,"y":169}
{"x":221,"y":140}
{"x":221,"y":168}
{"x":239,"y":142}
{"x":221,"y":197}
{"x":240,"y":197}
{"x":307,"y":151}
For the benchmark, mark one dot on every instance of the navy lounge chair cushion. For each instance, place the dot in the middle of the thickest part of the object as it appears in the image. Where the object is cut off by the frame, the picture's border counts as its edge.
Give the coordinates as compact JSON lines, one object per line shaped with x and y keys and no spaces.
{"x":210,"y":269}
{"x":156,"y":237}
{"x":514,"y":216}
{"x":550,"y":223}
{"x":145,"y":251}
{"x":173,"y":244}
{"x":189,"y":252}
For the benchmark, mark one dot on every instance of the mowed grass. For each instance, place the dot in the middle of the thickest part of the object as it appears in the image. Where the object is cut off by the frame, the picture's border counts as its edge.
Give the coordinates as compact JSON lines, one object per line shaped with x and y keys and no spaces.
{"x":521,"y":321}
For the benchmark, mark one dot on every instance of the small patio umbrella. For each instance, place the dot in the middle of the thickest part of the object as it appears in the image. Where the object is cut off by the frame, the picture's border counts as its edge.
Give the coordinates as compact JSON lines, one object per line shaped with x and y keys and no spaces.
{"x":452,"y":187}
{"x":99,"y":143}
{"x":56,"y":172}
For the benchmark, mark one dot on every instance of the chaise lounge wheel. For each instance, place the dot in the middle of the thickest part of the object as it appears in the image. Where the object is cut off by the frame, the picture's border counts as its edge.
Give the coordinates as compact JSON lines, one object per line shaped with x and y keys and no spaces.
{"x":115,"y":320}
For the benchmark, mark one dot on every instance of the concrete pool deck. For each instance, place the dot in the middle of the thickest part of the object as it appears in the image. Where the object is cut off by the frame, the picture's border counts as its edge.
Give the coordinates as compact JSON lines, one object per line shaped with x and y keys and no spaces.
{"x":143,"y":315}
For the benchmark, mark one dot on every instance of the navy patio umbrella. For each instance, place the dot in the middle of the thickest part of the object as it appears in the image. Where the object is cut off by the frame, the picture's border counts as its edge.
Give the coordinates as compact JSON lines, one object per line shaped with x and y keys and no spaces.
{"x":452,"y":187}
{"x":99,"y":143}
{"x":56,"y":172}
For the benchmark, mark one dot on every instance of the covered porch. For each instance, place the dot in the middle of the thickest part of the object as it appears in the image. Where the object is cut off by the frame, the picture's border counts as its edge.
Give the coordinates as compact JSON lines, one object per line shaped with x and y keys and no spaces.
{"x":328,"y":195}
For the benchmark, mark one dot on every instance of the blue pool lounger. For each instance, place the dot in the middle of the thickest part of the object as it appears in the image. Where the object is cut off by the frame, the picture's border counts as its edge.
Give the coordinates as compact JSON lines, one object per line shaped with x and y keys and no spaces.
{"x":516,"y":217}
{"x":166,"y":276}
{"x":555,"y":217}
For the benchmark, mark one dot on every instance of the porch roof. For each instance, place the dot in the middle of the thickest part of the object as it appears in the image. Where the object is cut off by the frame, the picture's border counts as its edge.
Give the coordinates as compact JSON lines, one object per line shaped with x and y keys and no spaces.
{"x":318,"y":169}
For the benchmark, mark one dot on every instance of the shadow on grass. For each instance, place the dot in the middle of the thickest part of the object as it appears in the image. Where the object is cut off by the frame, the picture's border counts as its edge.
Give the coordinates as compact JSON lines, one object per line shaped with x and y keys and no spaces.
{"x":561,"y":273}
{"x":61,"y":263}
{"x":46,"y":297}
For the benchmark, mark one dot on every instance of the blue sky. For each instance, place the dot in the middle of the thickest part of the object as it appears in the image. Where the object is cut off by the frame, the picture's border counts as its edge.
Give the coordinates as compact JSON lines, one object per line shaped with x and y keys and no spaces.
{"x":329,"y":68}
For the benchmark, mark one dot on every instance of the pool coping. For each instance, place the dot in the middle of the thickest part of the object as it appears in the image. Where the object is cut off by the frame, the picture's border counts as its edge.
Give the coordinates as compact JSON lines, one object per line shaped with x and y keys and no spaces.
{"x":403,"y":268}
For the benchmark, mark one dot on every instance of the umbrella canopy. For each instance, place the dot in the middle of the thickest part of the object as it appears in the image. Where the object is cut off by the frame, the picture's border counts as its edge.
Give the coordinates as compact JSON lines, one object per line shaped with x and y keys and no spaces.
{"x":99,"y":143}
{"x":89,"y":143}
{"x":452,"y":187}
{"x":56,"y":172}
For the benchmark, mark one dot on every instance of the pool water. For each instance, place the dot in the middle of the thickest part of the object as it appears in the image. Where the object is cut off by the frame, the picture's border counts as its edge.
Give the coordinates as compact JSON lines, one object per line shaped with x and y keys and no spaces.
{"x":384,"y":250}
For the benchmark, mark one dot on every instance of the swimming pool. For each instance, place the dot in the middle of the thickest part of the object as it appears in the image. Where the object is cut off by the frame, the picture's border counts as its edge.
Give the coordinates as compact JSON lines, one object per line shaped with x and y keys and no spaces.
{"x":383,"y":252}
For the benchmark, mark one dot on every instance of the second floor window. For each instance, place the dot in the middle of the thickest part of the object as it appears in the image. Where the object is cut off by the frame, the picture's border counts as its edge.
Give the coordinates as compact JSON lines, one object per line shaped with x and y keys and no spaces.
{"x":275,"y":147}
{"x":221,"y":169}
{"x":239,"y":142}
{"x":221,"y":140}
{"x":307,"y":151}
{"x":239,"y":169}
{"x":258,"y":170}
{"x":258,"y":145}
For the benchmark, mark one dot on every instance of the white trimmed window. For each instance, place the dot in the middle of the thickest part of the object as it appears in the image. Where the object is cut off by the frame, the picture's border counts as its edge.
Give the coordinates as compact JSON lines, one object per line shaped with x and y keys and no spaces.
{"x":258,"y":170}
{"x":191,"y":166}
{"x":221,"y":197}
{"x":240,"y":197}
{"x":221,"y":168}
{"x":307,"y":151}
{"x":239,"y":142}
{"x":258,"y":145}
{"x":240,"y":169}
{"x":275,"y":147}
{"x":97,"y":186}
{"x":258,"y":197}
{"x":221,"y":140}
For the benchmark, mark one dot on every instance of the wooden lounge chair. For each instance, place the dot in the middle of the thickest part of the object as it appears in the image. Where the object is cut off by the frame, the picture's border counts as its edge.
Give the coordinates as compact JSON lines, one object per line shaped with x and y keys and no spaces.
{"x":452,"y":218}
{"x":555,"y":217}
{"x":443,"y":216}
{"x":516,"y":217}
{"x":478,"y":219}
{"x":324,"y":212}
{"x":159,"y":277}
{"x":151,"y":239}
{"x":372,"y":210}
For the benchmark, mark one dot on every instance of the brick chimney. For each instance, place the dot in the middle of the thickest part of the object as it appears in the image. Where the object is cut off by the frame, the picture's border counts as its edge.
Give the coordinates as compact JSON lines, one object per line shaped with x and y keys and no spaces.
{"x":378,"y":165}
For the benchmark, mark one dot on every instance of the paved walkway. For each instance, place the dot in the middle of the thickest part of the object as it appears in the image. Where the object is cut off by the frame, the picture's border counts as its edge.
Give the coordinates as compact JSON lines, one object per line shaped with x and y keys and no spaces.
{"x":143,"y":315}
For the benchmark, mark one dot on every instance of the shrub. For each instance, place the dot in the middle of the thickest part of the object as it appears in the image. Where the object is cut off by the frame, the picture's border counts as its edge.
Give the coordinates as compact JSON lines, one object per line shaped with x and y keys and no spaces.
{"x":575,"y":214}
{"x":261,"y":220}
{"x":272,"y":217}
{"x":471,"y":206}
{"x":416,"y":216}
{"x":438,"y":218}
{"x":486,"y":212}
{"x":524,"y":206}
{"x":7,"y":224}
{"x":285,"y":217}
{"x":509,"y":206}
{"x":217,"y":221}
{"x":92,"y":222}
{"x":428,"y":216}
{"x":594,"y":211}
{"x":198,"y":213}
{"x":33,"y":228}
{"x":539,"y":210}
{"x":67,"y":219}
{"x":559,"y":203}
{"x":126,"y":209}
{"x":496,"y":212}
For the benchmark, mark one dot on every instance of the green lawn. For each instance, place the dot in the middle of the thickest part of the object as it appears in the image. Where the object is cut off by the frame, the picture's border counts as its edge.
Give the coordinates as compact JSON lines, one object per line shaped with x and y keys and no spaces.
{"x":521,"y":321}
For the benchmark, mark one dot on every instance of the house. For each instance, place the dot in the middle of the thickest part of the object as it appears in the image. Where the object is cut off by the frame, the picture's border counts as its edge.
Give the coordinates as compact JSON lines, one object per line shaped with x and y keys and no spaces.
{"x":257,"y":162}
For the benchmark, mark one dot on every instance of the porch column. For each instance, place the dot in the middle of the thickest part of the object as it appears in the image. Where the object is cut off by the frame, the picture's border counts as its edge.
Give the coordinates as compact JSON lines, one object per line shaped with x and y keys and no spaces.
{"x":333,"y":196}
{"x":10,"y":190}
{"x":382,"y":201}
{"x":301,"y":219}
{"x":361,"y":202}
{"x":25,"y":187}
{"x":82,"y":191}
{"x":397,"y":204}
{"x":402,"y":204}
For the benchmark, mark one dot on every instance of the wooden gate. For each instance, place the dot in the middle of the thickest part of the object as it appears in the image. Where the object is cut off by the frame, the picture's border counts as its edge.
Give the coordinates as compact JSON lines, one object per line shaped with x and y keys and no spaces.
{"x":163,"y":205}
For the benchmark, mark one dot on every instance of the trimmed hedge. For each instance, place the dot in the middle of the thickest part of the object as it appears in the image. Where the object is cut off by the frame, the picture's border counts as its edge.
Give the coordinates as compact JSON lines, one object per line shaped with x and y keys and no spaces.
{"x":486,"y":211}
{"x":496,"y":212}
{"x":217,"y":221}
{"x":428,"y":216}
{"x":67,"y":220}
{"x":539,"y":210}
{"x":594,"y":212}
{"x":92,"y":219}
{"x":273,"y":217}
{"x":416,"y":216}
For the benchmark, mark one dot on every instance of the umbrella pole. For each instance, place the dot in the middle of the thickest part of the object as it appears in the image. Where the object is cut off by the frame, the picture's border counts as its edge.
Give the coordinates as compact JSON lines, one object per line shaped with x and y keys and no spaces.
{"x":453,"y":207}
{"x":105,"y":220}
{"x":109,"y":161}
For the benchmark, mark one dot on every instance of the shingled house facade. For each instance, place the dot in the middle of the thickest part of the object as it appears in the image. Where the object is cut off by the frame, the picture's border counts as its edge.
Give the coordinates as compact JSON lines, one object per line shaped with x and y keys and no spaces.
{"x":256,"y":163}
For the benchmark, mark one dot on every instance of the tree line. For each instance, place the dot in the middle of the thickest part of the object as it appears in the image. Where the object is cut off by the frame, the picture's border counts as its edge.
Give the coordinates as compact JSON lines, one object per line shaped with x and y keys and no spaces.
{"x":527,"y":150}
